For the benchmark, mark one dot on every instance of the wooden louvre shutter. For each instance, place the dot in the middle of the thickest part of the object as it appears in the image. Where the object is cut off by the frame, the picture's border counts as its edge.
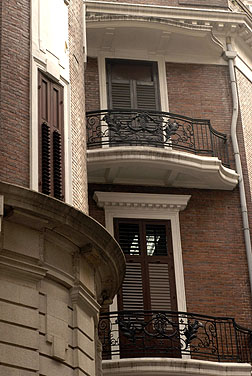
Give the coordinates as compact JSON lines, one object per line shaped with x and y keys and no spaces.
{"x":149,"y":283}
{"x":51,"y":132}
{"x":132,"y":288}
{"x":146,"y":97}
{"x":160,"y":287}
{"x":120,"y":95}
{"x":132,"y":85}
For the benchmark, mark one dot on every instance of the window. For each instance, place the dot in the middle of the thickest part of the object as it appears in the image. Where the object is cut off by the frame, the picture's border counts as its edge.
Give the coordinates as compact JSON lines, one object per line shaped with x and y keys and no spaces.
{"x":133,"y":95}
{"x":132,"y":85}
{"x":155,"y":209}
{"x":51,"y":150}
{"x":149,"y":282}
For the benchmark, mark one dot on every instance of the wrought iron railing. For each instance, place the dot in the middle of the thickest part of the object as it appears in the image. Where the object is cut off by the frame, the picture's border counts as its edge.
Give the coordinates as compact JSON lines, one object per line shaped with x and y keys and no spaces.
{"x":173,"y":334}
{"x":156,"y":129}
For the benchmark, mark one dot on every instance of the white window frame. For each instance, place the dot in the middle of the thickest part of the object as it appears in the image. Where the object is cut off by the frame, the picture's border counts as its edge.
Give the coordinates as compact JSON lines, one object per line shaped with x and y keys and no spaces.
{"x":161,"y":76}
{"x":149,"y":206}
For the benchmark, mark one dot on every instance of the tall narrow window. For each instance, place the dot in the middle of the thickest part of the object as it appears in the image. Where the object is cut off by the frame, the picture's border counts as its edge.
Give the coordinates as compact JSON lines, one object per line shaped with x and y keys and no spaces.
{"x":149,"y":282}
{"x":51,"y":132}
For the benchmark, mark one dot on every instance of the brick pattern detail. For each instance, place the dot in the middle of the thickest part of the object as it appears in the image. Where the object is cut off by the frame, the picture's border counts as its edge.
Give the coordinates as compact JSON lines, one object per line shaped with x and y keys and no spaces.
{"x":209,"y":87}
{"x":92,"y":85}
{"x":78,"y":133}
{"x":14,"y":91}
{"x":245,"y":97}
{"x":215,"y":265}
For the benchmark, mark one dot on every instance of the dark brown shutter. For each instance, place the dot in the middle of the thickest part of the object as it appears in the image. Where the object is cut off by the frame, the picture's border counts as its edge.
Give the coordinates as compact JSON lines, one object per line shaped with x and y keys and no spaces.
{"x":51,"y":133}
{"x":132,"y":288}
{"x":146,"y":97}
{"x":132,"y":85}
{"x":160,"y":287}
{"x":120,"y":95}
{"x":150,"y":281}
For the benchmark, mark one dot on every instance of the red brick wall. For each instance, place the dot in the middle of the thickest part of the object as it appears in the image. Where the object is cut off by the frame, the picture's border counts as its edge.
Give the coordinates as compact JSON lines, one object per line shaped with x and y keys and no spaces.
{"x":14,"y":91}
{"x":78,"y":133}
{"x":92,"y":85}
{"x":201,"y":91}
{"x":215,"y":266}
{"x":245,"y":98}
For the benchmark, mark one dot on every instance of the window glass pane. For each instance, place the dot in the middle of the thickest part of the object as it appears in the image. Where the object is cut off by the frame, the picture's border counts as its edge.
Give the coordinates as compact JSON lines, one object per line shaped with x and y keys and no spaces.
{"x":130,"y":71}
{"x":129,"y":238}
{"x":156,"y":242}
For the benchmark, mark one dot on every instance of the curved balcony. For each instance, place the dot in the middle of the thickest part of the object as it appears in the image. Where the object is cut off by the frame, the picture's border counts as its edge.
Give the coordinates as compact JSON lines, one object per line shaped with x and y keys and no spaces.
{"x":138,"y":334}
{"x":157,"y":129}
{"x":124,"y":145}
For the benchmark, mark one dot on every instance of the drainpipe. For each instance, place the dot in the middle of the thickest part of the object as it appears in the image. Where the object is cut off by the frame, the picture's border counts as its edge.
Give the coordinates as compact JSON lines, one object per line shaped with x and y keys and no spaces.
{"x":230,"y":55}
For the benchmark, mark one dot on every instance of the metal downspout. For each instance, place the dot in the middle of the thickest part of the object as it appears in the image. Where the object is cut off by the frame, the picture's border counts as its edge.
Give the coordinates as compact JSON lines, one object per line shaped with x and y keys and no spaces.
{"x":230,"y":55}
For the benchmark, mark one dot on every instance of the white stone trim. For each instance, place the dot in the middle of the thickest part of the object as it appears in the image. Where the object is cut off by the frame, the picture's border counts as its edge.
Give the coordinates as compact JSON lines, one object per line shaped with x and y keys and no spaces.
{"x":205,"y":172}
{"x":34,"y":157}
{"x":243,"y":68}
{"x":172,"y":367}
{"x":102,"y":81}
{"x":52,"y":66}
{"x":220,"y":22}
{"x":149,"y":206}
{"x":163,"y":91}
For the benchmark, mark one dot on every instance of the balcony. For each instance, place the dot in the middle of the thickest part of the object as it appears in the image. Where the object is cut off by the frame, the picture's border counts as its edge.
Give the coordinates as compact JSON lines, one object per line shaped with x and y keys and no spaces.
{"x":188,"y":336}
{"x":125,"y":145}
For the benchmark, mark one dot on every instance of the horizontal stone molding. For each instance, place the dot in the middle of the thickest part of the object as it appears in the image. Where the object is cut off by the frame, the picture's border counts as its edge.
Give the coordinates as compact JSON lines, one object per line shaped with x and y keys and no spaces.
{"x":42,"y":216}
{"x":172,"y":367}
{"x":139,"y":200}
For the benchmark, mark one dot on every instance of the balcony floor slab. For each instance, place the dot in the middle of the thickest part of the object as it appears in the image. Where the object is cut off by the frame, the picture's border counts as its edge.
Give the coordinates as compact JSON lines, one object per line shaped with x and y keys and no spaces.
{"x":172,"y":367}
{"x":142,"y":165}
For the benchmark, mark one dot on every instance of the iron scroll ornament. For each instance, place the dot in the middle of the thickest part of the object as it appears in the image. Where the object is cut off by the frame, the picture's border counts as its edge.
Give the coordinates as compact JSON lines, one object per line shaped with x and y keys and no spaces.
{"x":115,"y":128}
{"x":152,"y":333}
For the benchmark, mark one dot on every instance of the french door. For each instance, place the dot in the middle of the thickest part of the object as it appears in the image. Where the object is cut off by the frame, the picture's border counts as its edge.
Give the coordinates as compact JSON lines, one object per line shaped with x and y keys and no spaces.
{"x":148,"y":291}
{"x":133,"y":91}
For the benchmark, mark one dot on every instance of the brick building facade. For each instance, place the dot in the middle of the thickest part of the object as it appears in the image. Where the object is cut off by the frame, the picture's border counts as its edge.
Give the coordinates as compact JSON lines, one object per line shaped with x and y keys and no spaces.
{"x":189,"y":43}
{"x":125,"y":115}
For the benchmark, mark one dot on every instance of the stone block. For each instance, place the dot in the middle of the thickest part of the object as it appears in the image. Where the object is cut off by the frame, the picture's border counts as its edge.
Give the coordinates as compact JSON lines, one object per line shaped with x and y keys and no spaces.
{"x":56,"y":327}
{"x":58,"y":257}
{"x":57,"y":308}
{"x":51,"y":367}
{"x":84,"y":322}
{"x":82,"y":361}
{"x":7,"y":371}
{"x":84,"y":343}
{"x":18,"y":294}
{"x":17,"y":335}
{"x":53,"y":289}
{"x":18,"y":357}
{"x":19,"y":315}
{"x":21,"y":239}
{"x":87,"y":275}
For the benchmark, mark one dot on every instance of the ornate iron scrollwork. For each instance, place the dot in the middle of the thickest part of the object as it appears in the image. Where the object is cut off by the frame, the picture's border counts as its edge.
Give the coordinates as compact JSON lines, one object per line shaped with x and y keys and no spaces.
{"x":156,"y":129}
{"x":149,"y":333}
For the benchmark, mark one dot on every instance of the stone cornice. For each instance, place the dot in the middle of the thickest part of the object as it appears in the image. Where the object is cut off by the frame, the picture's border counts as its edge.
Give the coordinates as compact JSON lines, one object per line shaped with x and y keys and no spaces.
{"x":148,"y":201}
{"x":219,"y":21}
